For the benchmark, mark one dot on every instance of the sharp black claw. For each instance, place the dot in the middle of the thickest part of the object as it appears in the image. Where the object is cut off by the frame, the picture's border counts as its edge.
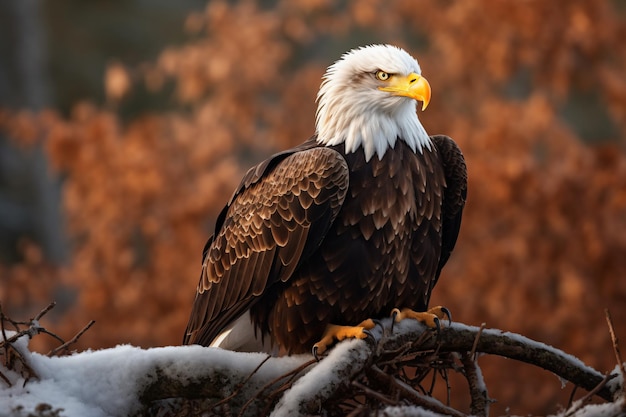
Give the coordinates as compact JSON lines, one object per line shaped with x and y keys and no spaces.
{"x":314,"y":352}
{"x":369,"y":335}
{"x":394,"y":314}
{"x":448,"y":314}
{"x":437,"y":329}
{"x":377,"y":322}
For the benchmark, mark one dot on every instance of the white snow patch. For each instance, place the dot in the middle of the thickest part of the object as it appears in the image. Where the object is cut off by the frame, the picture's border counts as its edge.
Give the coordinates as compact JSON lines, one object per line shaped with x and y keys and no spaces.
{"x":408,"y":411}
{"x":616,"y":384}
{"x":480,"y":380}
{"x":324,"y":378}
{"x":613,"y":409}
{"x":562,"y":380}
{"x":107,"y":382}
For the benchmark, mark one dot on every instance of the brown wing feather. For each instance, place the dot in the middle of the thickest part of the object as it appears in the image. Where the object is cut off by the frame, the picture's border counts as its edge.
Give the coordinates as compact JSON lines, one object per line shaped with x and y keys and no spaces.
{"x":279,"y":214}
{"x":454,"y":196}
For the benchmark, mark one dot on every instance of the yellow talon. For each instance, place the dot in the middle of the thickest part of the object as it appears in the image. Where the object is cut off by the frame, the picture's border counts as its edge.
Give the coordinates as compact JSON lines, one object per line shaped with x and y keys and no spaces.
{"x":431,"y":318}
{"x":335,"y":332}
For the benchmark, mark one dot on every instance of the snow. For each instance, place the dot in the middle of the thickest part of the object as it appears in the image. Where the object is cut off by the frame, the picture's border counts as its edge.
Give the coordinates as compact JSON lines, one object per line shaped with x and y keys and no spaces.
{"x":529,"y":344}
{"x":324,"y":378}
{"x":596,"y":410}
{"x":107,"y":382}
{"x":407,"y":411}
{"x":617,"y":384}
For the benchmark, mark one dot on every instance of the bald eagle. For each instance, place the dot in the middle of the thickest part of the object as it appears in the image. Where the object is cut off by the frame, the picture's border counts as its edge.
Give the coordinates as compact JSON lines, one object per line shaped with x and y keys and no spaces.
{"x":354,"y":224}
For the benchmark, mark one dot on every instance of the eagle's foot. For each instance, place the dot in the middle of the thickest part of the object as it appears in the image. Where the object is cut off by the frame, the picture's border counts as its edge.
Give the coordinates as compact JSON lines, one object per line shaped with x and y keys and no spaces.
{"x":335,"y":332}
{"x":431,"y":318}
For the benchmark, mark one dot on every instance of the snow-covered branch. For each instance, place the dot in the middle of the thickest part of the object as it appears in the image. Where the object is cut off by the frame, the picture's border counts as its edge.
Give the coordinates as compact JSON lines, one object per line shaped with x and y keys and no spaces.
{"x":357,"y":376}
{"x":353,"y":367}
{"x":462,"y":338}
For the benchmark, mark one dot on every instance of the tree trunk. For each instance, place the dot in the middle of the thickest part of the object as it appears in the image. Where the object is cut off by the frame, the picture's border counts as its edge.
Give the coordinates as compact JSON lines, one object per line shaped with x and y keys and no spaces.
{"x":29,"y":193}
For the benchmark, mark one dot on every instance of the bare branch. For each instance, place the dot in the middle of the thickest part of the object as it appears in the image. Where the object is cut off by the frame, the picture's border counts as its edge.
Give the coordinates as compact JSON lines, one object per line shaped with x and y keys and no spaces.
{"x":64,"y":346}
{"x":242,"y":384}
{"x":478,"y":390}
{"x":461,"y":338}
{"x":590,"y":394}
{"x":374,"y":394}
{"x":44,"y":311}
{"x":475,"y":345}
{"x":406,"y":391}
{"x":353,"y":368}
{"x":5,"y":379}
{"x":358,"y":377}
{"x":13,"y":359}
{"x":615,"y":341}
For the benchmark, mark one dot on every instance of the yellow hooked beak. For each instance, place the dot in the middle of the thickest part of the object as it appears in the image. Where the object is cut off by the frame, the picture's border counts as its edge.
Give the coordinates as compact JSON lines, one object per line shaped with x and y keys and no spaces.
{"x":413,"y":86}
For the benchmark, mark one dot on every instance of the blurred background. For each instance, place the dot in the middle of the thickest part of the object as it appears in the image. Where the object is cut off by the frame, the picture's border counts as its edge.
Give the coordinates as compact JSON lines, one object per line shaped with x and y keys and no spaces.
{"x":126,"y":124}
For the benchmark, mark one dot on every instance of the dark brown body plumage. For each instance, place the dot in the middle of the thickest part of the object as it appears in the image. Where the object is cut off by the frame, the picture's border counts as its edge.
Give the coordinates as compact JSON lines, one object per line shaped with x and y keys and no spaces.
{"x":315,"y":236}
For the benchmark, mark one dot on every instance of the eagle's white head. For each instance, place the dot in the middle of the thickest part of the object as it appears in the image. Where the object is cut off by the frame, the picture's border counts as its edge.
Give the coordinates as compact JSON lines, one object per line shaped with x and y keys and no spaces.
{"x":368,"y":98}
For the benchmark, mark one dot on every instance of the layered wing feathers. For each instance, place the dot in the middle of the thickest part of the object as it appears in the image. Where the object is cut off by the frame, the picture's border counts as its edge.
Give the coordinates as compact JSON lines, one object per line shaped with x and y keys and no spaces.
{"x":277,"y":217}
{"x":455,"y":195}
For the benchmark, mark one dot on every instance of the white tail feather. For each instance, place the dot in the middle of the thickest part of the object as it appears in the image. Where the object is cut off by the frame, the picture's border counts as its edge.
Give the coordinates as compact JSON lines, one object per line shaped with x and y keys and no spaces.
{"x":241,"y":336}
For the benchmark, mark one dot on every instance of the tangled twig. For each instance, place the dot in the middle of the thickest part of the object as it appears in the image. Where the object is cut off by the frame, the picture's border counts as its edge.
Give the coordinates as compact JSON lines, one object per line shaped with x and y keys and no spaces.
{"x":64,"y":348}
{"x":615,"y":342}
{"x":361,"y":378}
{"x":12,"y":358}
{"x":358,"y":378}
{"x":478,"y":390}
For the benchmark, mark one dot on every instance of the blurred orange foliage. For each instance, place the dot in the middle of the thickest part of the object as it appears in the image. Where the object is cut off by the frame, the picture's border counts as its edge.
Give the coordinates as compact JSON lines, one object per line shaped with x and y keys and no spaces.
{"x":543,"y":243}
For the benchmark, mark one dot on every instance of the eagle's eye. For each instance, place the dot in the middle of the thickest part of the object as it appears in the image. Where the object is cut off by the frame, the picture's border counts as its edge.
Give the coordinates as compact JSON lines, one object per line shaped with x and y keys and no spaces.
{"x":382,"y":75}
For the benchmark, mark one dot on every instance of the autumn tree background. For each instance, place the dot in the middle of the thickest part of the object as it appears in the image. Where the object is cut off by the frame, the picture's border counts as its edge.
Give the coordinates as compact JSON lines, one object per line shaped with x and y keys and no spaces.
{"x":107,"y":196}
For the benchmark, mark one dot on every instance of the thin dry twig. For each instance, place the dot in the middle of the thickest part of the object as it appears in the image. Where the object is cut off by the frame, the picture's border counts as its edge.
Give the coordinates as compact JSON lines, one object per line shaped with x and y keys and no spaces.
{"x":43,"y":312}
{"x":64,"y":346}
{"x":13,"y":358}
{"x":5,"y":379}
{"x":377,"y":378}
{"x":480,"y":400}
{"x":358,"y":411}
{"x":238,"y":388}
{"x":475,"y":345}
{"x":615,"y":341}
{"x":292,"y":374}
{"x":33,"y":327}
{"x":49,"y":333}
{"x":571,"y":397}
{"x":584,"y":400}
{"x":374,"y":394}
{"x":5,"y":347}
{"x":444,"y":375}
{"x":415,"y":397}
